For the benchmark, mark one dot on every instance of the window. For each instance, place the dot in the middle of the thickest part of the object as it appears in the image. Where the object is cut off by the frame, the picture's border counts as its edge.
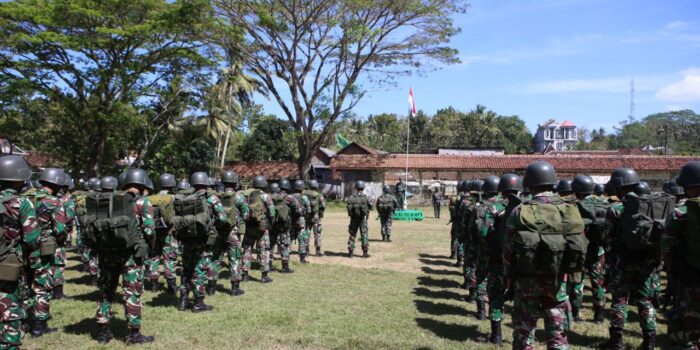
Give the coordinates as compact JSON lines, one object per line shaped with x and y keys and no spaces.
{"x":546,"y":133}
{"x":560,"y":146}
{"x":559,"y":134}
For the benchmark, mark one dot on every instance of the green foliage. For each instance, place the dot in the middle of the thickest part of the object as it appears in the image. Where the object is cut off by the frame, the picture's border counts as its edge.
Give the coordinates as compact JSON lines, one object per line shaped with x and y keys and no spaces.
{"x":269,"y":141}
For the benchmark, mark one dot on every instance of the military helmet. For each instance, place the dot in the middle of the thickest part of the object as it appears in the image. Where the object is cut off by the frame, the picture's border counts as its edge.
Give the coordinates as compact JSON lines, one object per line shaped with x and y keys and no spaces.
{"x":622,"y":177}
{"x":199,"y":178}
{"x":285,"y":185}
{"x":84,"y":185}
{"x":583,"y":184}
{"x":599,"y":189}
{"x":53,"y":176}
{"x":299,"y":185}
{"x":121,"y":178}
{"x":167,"y":180}
{"x":386,"y":189}
{"x":689,"y":175}
{"x":313,"y":184}
{"x":14,"y":168}
{"x":539,"y":173}
{"x":564,"y":186}
{"x":183,"y":185}
{"x":69,"y":183}
{"x":510,"y":182}
{"x":610,"y":189}
{"x":672,"y":188}
{"x":94,"y":183}
{"x":259,"y":182}
{"x":360,"y":185}
{"x":463,"y":185}
{"x":109,"y":183}
{"x":642,"y":188}
{"x":274,"y":187}
{"x":491,"y":184}
{"x":229,"y":176}
{"x":135,"y":176}
{"x":35,"y":183}
{"x":149,"y":184}
{"x":476,"y":185}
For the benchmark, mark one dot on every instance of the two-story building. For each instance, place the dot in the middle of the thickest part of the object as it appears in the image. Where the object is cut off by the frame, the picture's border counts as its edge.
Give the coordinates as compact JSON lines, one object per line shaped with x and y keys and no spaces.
{"x":555,"y":135}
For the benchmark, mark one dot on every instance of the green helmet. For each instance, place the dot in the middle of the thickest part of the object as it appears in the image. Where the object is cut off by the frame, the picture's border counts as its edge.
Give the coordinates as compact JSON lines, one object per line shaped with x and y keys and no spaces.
{"x":599,"y":189}
{"x":14,"y":168}
{"x":229,"y":176}
{"x":53,"y":176}
{"x":109,"y":183}
{"x":94,"y":183}
{"x":583,"y":184}
{"x":476,"y":185}
{"x":386,"y":189}
{"x":149,"y":184}
{"x":564,"y":186}
{"x":313,"y":184}
{"x":642,"y":188}
{"x":285,"y":185}
{"x":135,"y":176}
{"x":463,"y":185}
{"x":183,"y":185}
{"x":510,"y":182}
{"x":167,"y":180}
{"x":199,"y":178}
{"x":539,"y":174}
{"x":360,"y":185}
{"x":623,"y":177}
{"x":299,"y":185}
{"x":274,"y":187}
{"x":259,"y":182}
{"x":672,"y":188}
{"x":69,"y":183}
{"x":121,"y":178}
{"x":491,"y":184}
{"x":690,"y":175}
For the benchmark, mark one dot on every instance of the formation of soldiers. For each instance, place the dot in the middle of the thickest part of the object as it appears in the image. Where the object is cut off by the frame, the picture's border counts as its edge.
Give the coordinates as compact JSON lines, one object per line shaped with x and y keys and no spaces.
{"x":533,"y":240}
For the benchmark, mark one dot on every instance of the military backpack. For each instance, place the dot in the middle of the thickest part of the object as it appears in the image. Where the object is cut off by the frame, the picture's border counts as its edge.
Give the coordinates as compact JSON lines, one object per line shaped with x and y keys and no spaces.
{"x":163,"y":213}
{"x":691,"y":234}
{"x":594,"y":214}
{"x":385,"y":205}
{"x":283,"y":217}
{"x":10,"y":265}
{"x":257,"y":212}
{"x":357,"y":206}
{"x":110,"y":221}
{"x":314,"y":201}
{"x":642,"y":223}
{"x":192,"y":217}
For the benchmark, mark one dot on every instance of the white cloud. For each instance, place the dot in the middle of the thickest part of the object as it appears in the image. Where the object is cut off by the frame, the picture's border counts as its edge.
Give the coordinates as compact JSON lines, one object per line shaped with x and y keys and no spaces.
{"x":608,"y":85}
{"x":677,"y":25}
{"x":685,"y":90}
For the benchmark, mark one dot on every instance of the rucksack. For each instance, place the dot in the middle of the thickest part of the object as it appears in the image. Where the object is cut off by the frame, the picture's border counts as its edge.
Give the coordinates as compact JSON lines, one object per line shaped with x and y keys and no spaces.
{"x":357,"y":206}
{"x":314,"y":200}
{"x":192,"y":217}
{"x":10,"y":265}
{"x":691,"y":234}
{"x":385,"y":205}
{"x":110,"y":221}
{"x":594,"y":213}
{"x":257,"y":215}
{"x":163,"y":213}
{"x":283,"y":217}
{"x":549,"y":239}
{"x":643,"y":221}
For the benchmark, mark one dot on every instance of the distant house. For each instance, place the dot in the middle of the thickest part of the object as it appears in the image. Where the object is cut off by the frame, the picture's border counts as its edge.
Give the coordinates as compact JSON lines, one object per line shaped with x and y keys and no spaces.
{"x":555,"y":135}
{"x":469,"y":151}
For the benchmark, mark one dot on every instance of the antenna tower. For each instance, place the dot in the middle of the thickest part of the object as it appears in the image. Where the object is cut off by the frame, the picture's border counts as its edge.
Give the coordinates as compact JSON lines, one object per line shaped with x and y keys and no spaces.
{"x":631,"y":116}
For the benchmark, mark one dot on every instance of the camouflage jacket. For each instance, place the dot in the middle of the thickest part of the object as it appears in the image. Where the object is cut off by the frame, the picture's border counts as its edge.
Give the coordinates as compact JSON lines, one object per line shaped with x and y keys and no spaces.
{"x":21,"y":227}
{"x":241,"y":205}
{"x":489,"y":246}
{"x":144,"y":213}
{"x":50,"y":214}
{"x":305,"y":204}
{"x":619,"y":258}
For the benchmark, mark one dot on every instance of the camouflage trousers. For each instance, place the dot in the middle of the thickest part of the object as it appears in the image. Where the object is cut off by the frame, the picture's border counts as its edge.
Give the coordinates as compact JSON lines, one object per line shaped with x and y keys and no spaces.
{"x":481,"y":277}
{"x":436,"y":209}
{"x":130,"y":269}
{"x":684,"y":327}
{"x":301,"y":234}
{"x":638,"y":284}
{"x":11,"y":315}
{"x":279,"y":237}
{"x":163,"y":251}
{"x":361,"y":225}
{"x":40,"y":282}
{"x":496,"y":286}
{"x":231,"y":247}
{"x":454,"y":241}
{"x":386,"y":221}
{"x":59,"y":265}
{"x":314,"y":225}
{"x":195,"y":264}
{"x":262,"y":240}
{"x":90,"y":257}
{"x":527,"y":309}
{"x":596,"y":272}
{"x":575,"y":289}
{"x":469,"y":268}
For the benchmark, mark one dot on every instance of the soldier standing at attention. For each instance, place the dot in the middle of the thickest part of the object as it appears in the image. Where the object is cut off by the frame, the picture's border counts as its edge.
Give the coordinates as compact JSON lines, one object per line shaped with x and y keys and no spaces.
{"x":299,"y":231}
{"x":260,"y":219}
{"x":401,"y":194}
{"x":358,"y":209}
{"x":437,"y":203}
{"x":386,"y":206}
{"x":491,"y":203}
{"x":284,"y":227}
{"x":69,"y":207}
{"x":163,"y":250}
{"x":318,"y":207}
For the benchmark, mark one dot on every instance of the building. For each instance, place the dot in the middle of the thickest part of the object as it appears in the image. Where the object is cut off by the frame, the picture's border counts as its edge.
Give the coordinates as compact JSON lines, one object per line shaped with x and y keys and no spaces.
{"x":554,"y":135}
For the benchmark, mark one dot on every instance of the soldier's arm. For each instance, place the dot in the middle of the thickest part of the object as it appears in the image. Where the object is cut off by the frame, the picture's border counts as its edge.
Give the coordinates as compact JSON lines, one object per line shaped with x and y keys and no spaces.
{"x":148,"y":224}
{"x":30,"y":226}
{"x":219,"y":211}
{"x":511,"y":231}
{"x":61,"y":219}
{"x":271,"y":212}
{"x":321,"y":201}
{"x":307,"y":205}
{"x":670,"y":239}
{"x":242,"y":206}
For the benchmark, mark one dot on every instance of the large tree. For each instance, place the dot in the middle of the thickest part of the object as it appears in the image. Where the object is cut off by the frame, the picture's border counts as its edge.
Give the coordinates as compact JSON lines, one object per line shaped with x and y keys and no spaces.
{"x":311,"y":55}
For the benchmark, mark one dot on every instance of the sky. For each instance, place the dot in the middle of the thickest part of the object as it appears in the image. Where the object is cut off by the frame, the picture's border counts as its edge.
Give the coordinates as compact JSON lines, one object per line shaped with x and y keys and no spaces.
{"x":566,"y":60}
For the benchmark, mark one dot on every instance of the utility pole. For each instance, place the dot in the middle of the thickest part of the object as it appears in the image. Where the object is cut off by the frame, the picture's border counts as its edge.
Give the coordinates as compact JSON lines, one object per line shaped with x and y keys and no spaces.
{"x":631,"y":115}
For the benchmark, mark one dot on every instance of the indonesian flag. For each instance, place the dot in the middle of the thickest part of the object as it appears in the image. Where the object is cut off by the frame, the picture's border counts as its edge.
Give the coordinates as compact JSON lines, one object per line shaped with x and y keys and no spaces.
{"x":412,"y":102}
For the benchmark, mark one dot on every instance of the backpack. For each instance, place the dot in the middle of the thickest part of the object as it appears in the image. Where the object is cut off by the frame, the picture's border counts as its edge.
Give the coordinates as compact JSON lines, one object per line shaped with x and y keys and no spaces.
{"x":642,"y":223}
{"x":110,"y":221}
{"x":163,"y":213}
{"x":10,"y":265}
{"x":549,"y":239}
{"x":257,"y":214}
{"x":385,"y":205}
{"x":691,"y":234}
{"x":357,"y":206}
{"x":594,"y":214}
{"x":283,"y":218}
{"x":192,"y":218}
{"x":314,"y":200}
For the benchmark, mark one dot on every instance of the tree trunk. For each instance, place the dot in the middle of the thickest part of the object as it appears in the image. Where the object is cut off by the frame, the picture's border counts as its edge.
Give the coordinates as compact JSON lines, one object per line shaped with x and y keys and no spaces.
{"x":98,"y":154}
{"x":225,"y":149}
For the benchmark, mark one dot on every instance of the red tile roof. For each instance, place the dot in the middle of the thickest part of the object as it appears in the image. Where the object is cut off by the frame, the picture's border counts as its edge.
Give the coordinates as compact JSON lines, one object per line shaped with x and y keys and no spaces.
{"x":567,"y":123}
{"x":272,"y":169}
{"x":564,"y":163}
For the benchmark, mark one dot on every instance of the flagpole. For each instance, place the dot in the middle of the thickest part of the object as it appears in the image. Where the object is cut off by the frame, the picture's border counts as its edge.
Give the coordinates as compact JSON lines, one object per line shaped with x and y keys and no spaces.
{"x":408,"y":138}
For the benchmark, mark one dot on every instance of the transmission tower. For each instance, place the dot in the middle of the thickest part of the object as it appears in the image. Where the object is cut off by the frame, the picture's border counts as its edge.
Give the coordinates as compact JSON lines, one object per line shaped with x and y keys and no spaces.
{"x":631,"y":116}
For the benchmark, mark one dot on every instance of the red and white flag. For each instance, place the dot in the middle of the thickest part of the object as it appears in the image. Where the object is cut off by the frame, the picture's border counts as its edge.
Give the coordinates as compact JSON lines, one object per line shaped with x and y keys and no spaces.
{"x":412,"y":102}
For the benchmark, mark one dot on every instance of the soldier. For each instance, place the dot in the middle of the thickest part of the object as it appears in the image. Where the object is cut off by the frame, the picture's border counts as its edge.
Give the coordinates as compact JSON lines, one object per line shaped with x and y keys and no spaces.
{"x":599,"y":190}
{"x":229,"y":240}
{"x":163,"y":249}
{"x":468,"y":209}
{"x":681,"y":251}
{"x":437,"y":203}
{"x":69,"y":206}
{"x":313,"y":220}
{"x":564,"y":189}
{"x":534,"y":259}
{"x":593,"y":209}
{"x":401,"y":194}
{"x":261,"y":216}
{"x":455,"y":218}
{"x":387,"y":204}
{"x":490,"y":203}
{"x":642,"y":188}
{"x":183,"y":185}
{"x":299,"y":231}
{"x":90,"y":258}
{"x":125,"y":260}
{"x":21,"y":234}
{"x":296,"y":215}
{"x":672,"y":188}
{"x":358,"y":209}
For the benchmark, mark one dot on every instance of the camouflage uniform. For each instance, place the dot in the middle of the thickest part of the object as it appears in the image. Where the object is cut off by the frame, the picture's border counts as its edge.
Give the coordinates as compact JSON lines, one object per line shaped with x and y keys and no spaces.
{"x":454,"y":228}
{"x":230,"y":243}
{"x":88,"y":255}
{"x":280,"y":234}
{"x":401,"y":194}
{"x":437,"y":204}
{"x":130,"y":267}
{"x":313,"y":221}
{"x":21,"y":227}
{"x":299,"y":232}
{"x":596,"y":269}
{"x":467,"y":214}
{"x":359,"y":223}
{"x":386,"y":218}
{"x":536,"y":295}
{"x":684,"y":325}
{"x":489,"y":265}
{"x":60,"y":260}
{"x":162,"y":250}
{"x":254,"y":235}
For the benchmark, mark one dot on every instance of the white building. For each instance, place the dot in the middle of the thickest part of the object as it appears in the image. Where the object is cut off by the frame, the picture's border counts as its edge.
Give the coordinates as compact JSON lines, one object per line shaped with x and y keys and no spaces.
{"x":555,"y":135}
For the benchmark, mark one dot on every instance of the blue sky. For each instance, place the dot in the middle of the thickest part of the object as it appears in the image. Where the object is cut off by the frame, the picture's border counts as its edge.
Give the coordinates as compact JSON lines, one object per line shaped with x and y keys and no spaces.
{"x":567,"y":59}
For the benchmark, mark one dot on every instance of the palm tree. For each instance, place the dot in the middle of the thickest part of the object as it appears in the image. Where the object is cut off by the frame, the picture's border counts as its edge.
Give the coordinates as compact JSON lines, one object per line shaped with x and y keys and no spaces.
{"x":488,"y":129}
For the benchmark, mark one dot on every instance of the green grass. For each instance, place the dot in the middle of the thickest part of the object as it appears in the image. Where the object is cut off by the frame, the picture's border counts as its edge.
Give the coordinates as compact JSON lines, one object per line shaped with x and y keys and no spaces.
{"x":405,"y":296}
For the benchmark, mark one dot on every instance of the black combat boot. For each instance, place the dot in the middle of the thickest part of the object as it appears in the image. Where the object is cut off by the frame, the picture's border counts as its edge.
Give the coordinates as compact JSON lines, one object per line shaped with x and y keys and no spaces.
{"x":135,"y":337}
{"x":155,"y":286}
{"x":105,"y":335}
{"x":172,"y":288}
{"x":480,"y":310}
{"x":265,"y":278}
{"x":599,"y":314}
{"x":472,"y":295}
{"x":236,"y":289}
{"x":388,"y":239}
{"x":285,"y":267}
{"x":496,"y":337}
{"x":200,"y":306}
{"x":245,"y":277}
{"x":458,"y":263}
{"x":350,"y":255}
{"x":40,"y":328}
{"x":318,"y":251}
{"x":615,"y":341}
{"x":93,"y":280}
{"x":86,"y":267}
{"x":211,"y":287}
{"x":383,"y":238}
{"x":575,"y":314}
{"x":649,"y":340}
{"x":302,"y":259}
{"x":58,"y":292}
{"x":184,"y":302}
{"x":453,"y":255}
{"x":365,"y":254}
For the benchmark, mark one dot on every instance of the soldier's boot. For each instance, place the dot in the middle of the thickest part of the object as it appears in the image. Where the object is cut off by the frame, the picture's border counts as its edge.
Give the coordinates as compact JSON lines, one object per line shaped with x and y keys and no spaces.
{"x":184,"y":302}
{"x":245,"y":277}
{"x":302,"y":259}
{"x":365,"y":254}
{"x":599,"y":314}
{"x":496,"y":336}
{"x":172,"y":288}
{"x":200,"y":306}
{"x":575,"y":314}
{"x":58,"y":292}
{"x":388,"y":238}
{"x":350,"y":254}
{"x":236,"y":289}
{"x":155,"y":286}
{"x":615,"y":341}
{"x":86,"y":267}
{"x":265,"y":278}
{"x":453,"y":255}
{"x":135,"y":337}
{"x":318,"y":251}
{"x":649,"y":340}
{"x":105,"y":335}
{"x":285,"y":267}
{"x":93,"y":280}
{"x":40,"y":328}
{"x":472,"y":295}
{"x":211,"y":287}
{"x":458,"y":263}
{"x":480,"y":310}
{"x":383,"y":238}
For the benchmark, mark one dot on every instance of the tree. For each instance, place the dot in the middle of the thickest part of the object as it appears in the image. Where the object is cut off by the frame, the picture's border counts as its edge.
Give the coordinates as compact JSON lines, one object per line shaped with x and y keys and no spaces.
{"x":268,"y":141}
{"x":384,"y":132}
{"x":95,"y":60}
{"x":310,"y":55}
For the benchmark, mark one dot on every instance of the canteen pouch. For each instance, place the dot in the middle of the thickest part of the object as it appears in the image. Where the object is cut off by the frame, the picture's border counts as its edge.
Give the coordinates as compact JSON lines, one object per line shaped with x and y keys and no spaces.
{"x":48,"y":246}
{"x":10,"y":268}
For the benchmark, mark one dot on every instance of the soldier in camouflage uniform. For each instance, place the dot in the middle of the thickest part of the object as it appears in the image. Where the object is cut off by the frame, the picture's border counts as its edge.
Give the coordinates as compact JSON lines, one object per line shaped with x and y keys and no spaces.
{"x":386,"y":204}
{"x":89,"y":256}
{"x":69,"y":207}
{"x":437,"y":202}
{"x":257,"y":232}
{"x":681,"y":250}
{"x":574,"y":280}
{"x":467,"y":209}
{"x":299,"y":231}
{"x":281,"y":231}
{"x":456,"y":221}
{"x":21,"y":234}
{"x":401,"y":194}
{"x":229,"y":240}
{"x":318,"y":207}
{"x":485,"y":214}
{"x":128,"y":264}
{"x":163,"y":250}
{"x":539,"y":292}
{"x":358,"y":210}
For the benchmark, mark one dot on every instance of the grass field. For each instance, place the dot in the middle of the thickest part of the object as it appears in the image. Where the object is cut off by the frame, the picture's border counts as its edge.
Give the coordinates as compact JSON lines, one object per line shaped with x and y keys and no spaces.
{"x":406,"y":296}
